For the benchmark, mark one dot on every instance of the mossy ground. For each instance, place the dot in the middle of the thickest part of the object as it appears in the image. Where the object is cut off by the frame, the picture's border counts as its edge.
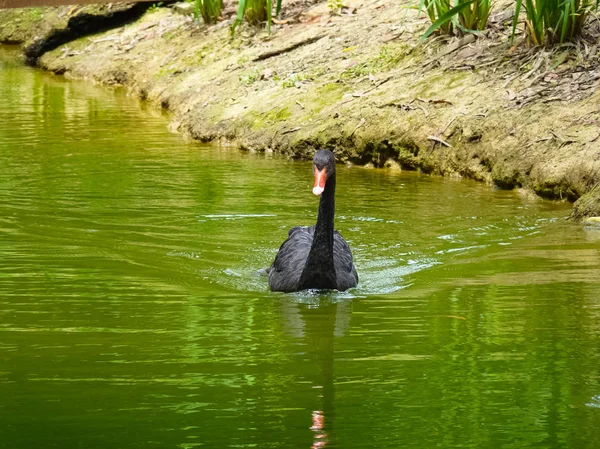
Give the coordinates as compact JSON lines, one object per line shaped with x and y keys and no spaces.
{"x":21,"y":25}
{"x":363,"y":86}
{"x":587,"y":205}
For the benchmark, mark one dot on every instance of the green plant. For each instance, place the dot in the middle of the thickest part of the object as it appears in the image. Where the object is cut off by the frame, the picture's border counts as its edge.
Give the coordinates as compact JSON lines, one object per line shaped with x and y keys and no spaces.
{"x":335,"y":6}
{"x":553,"y":21}
{"x":294,"y":80}
{"x":249,"y":77}
{"x":210,"y":10}
{"x":438,"y":12}
{"x":475,"y":16}
{"x":154,"y":7}
{"x":461,"y":16}
{"x":255,"y":12}
{"x":34,"y":13}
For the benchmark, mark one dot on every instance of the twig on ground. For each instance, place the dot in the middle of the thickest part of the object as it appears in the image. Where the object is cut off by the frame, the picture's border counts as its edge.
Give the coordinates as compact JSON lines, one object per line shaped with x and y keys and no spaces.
{"x":289,"y":48}
{"x":438,"y":140}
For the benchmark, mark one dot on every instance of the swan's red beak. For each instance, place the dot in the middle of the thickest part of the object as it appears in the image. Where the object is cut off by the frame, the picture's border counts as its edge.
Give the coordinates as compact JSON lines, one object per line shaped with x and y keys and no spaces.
{"x":320,"y":179}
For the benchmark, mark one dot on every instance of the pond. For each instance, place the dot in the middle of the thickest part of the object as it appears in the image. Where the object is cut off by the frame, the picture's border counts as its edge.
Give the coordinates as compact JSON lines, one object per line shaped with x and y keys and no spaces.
{"x":134,"y":312}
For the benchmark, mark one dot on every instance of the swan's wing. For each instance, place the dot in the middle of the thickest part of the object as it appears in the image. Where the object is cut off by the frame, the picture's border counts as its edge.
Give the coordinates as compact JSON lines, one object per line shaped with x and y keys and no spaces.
{"x":287,"y":267}
{"x":345,"y":271}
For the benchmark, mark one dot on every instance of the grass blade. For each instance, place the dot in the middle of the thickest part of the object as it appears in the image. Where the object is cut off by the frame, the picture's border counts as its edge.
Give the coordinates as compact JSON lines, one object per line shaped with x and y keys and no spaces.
{"x":516,"y":19}
{"x":240,"y":16}
{"x":445,"y":18}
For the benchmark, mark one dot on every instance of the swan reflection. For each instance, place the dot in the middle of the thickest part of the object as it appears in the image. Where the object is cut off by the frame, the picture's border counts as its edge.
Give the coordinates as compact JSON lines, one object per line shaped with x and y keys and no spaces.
{"x":317,"y":322}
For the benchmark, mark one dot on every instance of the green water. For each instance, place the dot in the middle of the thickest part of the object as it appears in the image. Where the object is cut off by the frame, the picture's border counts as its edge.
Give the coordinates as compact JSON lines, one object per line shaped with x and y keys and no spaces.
{"x":133,"y":313}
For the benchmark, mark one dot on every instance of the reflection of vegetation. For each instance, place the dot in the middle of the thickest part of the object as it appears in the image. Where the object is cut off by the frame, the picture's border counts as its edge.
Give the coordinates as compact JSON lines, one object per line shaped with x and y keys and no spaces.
{"x":501,"y":364}
{"x":495,"y":346}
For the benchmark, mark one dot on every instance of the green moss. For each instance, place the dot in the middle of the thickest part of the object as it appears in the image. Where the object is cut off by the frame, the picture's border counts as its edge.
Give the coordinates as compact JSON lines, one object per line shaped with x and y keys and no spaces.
{"x":328,"y":94}
{"x":388,"y":57}
{"x":20,"y":24}
{"x":330,"y":88}
{"x":587,"y":206}
{"x":380,"y":152}
{"x":196,"y":58}
{"x":440,"y":83}
{"x":505,"y":176}
{"x":319,"y":98}
{"x":324,"y":96}
{"x":555,"y":190}
{"x":167,"y":71}
{"x":34,"y":14}
{"x":260,"y":121}
{"x":277,"y":115}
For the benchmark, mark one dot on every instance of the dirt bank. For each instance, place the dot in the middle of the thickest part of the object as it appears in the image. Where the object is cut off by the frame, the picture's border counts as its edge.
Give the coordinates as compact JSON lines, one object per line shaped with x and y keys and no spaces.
{"x":40,"y":30}
{"x":361,"y":84}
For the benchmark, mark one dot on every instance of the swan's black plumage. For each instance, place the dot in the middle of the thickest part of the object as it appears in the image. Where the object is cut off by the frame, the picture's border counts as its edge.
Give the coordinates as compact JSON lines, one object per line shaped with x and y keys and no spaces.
{"x":316,"y":256}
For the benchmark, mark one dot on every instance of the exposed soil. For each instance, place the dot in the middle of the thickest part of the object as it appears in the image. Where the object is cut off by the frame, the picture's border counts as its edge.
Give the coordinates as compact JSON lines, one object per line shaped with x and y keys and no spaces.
{"x":83,"y":22}
{"x":362,"y":85}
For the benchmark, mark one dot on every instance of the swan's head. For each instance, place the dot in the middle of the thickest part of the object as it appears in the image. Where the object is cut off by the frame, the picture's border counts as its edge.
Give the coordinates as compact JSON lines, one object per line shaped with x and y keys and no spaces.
{"x":323,"y":168}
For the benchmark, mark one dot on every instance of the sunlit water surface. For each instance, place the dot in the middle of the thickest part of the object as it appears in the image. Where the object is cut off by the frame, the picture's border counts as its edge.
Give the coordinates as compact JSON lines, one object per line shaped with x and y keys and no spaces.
{"x":133,"y":312}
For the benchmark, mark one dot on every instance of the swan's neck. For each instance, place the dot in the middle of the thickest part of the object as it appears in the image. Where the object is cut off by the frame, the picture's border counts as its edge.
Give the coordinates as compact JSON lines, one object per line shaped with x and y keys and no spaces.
{"x":319,"y":271}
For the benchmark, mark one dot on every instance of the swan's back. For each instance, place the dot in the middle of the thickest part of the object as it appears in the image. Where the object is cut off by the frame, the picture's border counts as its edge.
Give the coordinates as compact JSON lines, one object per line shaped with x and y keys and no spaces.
{"x":345,"y":272}
{"x":285,"y":272}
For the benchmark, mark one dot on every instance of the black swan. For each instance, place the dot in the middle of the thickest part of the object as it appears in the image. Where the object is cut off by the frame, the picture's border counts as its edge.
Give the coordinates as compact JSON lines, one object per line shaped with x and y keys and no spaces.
{"x":317,"y":256}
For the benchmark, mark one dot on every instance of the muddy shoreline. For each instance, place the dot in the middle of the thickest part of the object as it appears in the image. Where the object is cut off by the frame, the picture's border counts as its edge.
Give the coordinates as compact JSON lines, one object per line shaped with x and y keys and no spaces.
{"x":358,"y":83}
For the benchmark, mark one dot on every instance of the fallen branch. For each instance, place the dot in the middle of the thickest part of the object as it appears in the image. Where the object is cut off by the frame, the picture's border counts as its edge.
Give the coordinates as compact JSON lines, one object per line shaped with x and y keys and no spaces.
{"x":361,"y":123}
{"x":281,"y":51}
{"x":405,"y":106}
{"x":378,"y":84}
{"x":293,"y":130}
{"x":438,"y":140}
